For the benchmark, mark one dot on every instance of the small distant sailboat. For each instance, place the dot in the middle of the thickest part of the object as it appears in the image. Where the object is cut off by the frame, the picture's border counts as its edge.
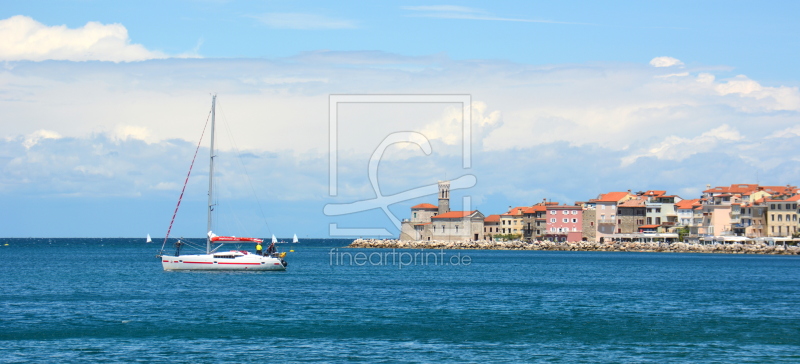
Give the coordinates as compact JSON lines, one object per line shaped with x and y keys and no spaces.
{"x":274,"y":239}
{"x":294,"y":240}
{"x":148,"y":239}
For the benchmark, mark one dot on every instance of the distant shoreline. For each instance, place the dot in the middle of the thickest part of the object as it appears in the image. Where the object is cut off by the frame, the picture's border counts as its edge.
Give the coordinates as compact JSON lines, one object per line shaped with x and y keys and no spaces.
{"x":735,"y":248}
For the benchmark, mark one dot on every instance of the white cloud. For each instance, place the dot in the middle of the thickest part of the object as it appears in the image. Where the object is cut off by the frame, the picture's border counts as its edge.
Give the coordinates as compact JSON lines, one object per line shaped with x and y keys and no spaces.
{"x":677,"y":149}
{"x":303,"y":21}
{"x":34,"y":138}
{"x":467,"y":13}
{"x":131,"y":128}
{"x":22,"y":38}
{"x":665,"y":62}
{"x":786,"y":133}
{"x":125,"y":132}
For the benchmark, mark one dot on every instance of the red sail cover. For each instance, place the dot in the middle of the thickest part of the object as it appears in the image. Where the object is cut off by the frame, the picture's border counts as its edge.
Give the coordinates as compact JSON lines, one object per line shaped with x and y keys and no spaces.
{"x":223,"y":239}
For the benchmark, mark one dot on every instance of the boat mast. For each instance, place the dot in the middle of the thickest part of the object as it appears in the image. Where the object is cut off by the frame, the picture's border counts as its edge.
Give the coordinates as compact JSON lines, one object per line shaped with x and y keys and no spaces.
{"x":211,"y":176}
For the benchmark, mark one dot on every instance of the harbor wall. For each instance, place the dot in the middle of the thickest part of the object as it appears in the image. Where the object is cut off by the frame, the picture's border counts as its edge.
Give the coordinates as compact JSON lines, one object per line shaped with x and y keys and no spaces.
{"x":735,"y":248}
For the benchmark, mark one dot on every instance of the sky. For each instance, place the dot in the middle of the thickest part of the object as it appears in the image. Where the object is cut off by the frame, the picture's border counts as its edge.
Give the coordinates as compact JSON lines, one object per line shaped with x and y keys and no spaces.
{"x":334,"y":119}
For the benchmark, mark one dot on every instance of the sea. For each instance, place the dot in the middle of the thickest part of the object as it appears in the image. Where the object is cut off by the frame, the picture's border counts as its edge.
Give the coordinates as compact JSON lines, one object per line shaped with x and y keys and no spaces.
{"x":109,"y":300}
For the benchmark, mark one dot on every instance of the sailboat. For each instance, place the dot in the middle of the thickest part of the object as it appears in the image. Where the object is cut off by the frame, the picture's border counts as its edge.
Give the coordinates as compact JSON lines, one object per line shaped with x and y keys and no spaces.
{"x":148,"y":239}
{"x":294,"y":240}
{"x":214,"y":259}
{"x":274,"y":239}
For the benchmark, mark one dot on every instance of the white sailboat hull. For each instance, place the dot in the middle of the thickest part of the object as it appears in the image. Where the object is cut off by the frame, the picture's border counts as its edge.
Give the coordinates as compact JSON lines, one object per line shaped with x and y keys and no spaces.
{"x":218,"y":262}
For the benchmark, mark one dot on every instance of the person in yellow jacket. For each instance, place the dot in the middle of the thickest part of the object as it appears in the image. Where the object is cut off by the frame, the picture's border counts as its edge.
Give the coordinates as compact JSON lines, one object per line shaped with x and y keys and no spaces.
{"x":258,"y":248}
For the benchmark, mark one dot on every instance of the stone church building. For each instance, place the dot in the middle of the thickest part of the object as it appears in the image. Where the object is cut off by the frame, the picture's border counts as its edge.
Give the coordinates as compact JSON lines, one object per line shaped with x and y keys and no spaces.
{"x":438,"y":223}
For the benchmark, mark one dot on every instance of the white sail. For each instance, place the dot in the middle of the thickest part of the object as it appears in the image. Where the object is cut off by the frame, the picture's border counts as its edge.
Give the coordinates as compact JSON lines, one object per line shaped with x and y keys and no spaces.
{"x":148,"y":239}
{"x":274,"y":240}
{"x":294,"y":240}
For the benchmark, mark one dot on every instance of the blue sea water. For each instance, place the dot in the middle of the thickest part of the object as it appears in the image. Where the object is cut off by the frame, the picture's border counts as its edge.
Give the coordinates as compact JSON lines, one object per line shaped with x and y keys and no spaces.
{"x":108,"y":300}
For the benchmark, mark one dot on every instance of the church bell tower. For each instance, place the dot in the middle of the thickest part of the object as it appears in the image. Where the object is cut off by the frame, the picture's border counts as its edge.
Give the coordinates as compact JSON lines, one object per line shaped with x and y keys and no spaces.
{"x":444,"y":197}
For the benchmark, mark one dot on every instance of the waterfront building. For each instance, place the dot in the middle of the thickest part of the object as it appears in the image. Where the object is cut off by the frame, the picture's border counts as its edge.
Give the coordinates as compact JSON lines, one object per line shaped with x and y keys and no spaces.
{"x":722,"y":207}
{"x":457,"y":226}
{"x":438,"y":223}
{"x":564,"y":223}
{"x":685,"y":211}
{"x":631,"y":215}
{"x":782,"y":216}
{"x":589,"y":229}
{"x":491,"y":227}
{"x":534,"y":222}
{"x":754,"y":215}
{"x":661,"y":209}
{"x":512,"y":221}
{"x":606,"y":213}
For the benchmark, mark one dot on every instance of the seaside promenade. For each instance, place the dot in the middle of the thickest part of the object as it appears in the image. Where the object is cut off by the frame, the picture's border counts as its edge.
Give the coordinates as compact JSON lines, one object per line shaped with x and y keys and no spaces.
{"x":734,"y":248}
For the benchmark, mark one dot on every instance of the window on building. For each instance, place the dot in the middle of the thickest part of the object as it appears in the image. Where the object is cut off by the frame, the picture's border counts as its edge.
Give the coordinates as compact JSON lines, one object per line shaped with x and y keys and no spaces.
{"x":574,"y":220}
{"x":565,"y":220}
{"x":772,"y":206}
{"x":456,"y":229}
{"x":552,"y":220}
{"x":553,"y":212}
{"x":788,"y":206}
{"x":415,"y":215}
{"x":780,"y":217}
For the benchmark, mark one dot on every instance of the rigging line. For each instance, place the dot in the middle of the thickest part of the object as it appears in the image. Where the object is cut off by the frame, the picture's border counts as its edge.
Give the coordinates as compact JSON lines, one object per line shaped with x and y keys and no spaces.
{"x":249,"y":181}
{"x":186,"y":181}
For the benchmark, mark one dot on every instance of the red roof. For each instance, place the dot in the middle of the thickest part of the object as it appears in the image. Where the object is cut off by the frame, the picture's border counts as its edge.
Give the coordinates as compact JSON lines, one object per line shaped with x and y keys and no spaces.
{"x":453,"y":215}
{"x":686,"y":204}
{"x":534,"y":209}
{"x":794,"y":198}
{"x":655,"y":193}
{"x":648,"y":226}
{"x":612,"y":197}
{"x":424,"y":206}
{"x":636,"y":202}
{"x":492,"y":218}
{"x":516,"y":211}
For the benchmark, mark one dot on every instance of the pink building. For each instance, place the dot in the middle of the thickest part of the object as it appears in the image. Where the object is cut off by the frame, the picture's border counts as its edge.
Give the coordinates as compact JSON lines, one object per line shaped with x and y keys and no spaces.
{"x":564,"y":223}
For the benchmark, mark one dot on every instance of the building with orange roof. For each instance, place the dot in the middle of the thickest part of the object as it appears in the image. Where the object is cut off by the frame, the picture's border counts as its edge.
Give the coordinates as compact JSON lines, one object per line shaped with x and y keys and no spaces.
{"x":782,"y":216}
{"x":606,"y":213}
{"x":534,"y":221}
{"x":438,"y":223}
{"x":423,"y":212}
{"x":685,"y":211}
{"x":456,"y":226}
{"x":512,"y":221}
{"x":631,"y":214}
{"x":754,"y":218}
{"x":491,"y":227}
{"x":724,"y":214}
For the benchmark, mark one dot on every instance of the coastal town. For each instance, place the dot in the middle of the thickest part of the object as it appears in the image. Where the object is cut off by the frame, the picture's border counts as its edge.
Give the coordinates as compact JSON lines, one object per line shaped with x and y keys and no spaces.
{"x":739,"y":213}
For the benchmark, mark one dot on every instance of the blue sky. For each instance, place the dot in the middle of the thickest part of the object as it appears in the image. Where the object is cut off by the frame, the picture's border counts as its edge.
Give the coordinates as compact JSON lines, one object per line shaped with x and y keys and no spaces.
{"x":103,"y":103}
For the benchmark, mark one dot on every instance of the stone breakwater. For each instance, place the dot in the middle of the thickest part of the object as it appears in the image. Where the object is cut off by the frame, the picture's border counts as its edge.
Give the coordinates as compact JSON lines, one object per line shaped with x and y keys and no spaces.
{"x":736,"y":248}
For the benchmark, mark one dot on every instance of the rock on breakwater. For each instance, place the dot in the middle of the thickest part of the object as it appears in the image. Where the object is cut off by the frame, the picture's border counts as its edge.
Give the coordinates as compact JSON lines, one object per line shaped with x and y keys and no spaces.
{"x":736,"y":248}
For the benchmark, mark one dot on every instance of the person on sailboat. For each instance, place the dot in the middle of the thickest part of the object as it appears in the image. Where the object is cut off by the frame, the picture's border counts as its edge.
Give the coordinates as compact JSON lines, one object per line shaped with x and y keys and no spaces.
{"x":258,"y":249}
{"x":271,"y":250}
